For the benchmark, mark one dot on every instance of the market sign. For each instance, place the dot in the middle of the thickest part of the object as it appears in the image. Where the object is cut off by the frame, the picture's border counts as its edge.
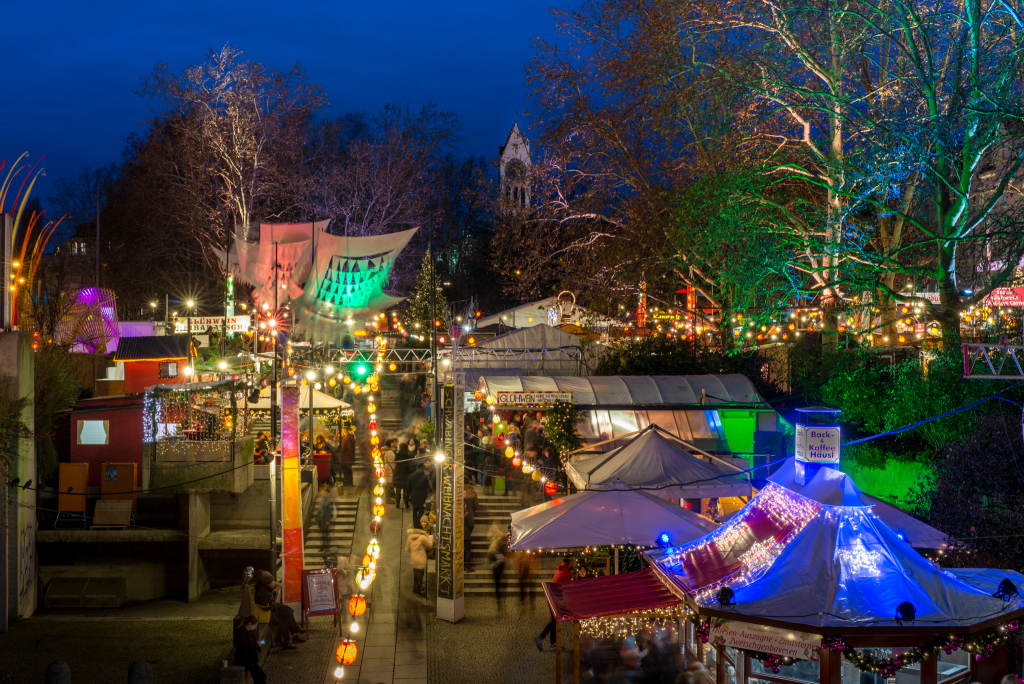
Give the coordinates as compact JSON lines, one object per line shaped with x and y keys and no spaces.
{"x":236,"y":324}
{"x":1005,"y":296}
{"x":774,"y":640}
{"x":532,"y":399}
{"x":817,"y":443}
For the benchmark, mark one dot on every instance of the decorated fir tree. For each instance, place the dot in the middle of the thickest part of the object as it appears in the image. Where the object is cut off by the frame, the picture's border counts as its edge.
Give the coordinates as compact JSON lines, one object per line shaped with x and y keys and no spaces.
{"x":562,"y":419}
{"x":418,"y":312}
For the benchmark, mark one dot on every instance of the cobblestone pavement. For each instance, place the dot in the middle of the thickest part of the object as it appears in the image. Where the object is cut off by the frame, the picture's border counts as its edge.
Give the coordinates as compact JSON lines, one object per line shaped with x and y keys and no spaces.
{"x":495,"y":647}
{"x":102,"y":651}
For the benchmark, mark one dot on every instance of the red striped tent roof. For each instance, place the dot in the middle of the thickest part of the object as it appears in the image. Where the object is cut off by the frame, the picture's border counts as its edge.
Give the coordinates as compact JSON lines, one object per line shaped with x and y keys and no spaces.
{"x":611,"y":595}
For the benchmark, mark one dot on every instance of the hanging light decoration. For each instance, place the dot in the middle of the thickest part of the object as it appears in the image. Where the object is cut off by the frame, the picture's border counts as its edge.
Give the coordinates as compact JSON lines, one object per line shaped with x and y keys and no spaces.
{"x":379,"y":471}
{"x":357,"y":605}
{"x":535,"y":475}
{"x":375,"y":440}
{"x":373,"y":548}
{"x":509,"y":452}
{"x":516,"y":461}
{"x":378,"y":490}
{"x":375,"y":526}
{"x":392,"y":366}
{"x":347,"y":652}
{"x":378,"y":509}
{"x":373,"y":425}
{"x":550,"y":488}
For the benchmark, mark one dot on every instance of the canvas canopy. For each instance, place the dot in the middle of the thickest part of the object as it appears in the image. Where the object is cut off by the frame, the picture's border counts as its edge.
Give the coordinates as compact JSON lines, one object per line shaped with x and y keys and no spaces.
{"x":615,"y":516}
{"x":847,"y":569}
{"x":835,"y":488}
{"x":658,"y":461}
{"x":636,"y":390}
{"x":321,"y":401}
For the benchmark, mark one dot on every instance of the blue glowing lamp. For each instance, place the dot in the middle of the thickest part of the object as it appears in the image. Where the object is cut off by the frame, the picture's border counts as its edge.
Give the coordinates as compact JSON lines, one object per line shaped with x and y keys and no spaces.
{"x":664,"y":541}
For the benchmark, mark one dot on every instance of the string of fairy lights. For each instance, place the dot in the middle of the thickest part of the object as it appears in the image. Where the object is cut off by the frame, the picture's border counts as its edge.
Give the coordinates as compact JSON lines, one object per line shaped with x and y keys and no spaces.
{"x":347,"y":651}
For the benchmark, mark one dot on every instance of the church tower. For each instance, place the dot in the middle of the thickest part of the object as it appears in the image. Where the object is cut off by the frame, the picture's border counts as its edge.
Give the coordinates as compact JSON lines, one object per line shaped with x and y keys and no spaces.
{"x":514,"y":169}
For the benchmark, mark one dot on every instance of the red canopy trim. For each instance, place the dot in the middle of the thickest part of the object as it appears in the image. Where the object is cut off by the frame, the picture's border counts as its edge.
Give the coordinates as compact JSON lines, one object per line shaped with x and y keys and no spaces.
{"x":612,"y":595}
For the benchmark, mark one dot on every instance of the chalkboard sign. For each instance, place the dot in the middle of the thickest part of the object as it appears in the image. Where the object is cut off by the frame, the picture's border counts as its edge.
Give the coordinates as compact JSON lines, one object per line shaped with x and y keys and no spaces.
{"x":320,"y":592}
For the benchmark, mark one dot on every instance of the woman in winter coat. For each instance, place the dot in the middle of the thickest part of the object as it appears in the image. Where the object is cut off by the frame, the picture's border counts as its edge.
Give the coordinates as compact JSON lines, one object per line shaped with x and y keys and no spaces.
{"x":419,"y":543}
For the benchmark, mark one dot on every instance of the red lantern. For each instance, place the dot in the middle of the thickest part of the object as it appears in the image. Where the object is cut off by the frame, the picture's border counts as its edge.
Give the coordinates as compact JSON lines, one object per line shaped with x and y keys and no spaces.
{"x":550,"y":488}
{"x":373,"y":425}
{"x":375,"y":526}
{"x":478,"y":395}
{"x":346,"y":653}
{"x":516,"y":461}
{"x":379,"y":471}
{"x":357,"y":605}
{"x":378,"y":509}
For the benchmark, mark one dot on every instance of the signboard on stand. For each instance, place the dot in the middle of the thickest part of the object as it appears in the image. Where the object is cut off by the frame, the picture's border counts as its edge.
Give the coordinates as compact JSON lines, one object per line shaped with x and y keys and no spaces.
{"x":450,"y":530}
{"x":320,"y":594}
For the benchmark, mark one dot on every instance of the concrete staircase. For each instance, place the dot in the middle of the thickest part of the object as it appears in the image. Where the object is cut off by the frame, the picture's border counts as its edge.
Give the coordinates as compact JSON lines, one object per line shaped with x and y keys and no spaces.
{"x":499,"y":509}
{"x":340,"y":534}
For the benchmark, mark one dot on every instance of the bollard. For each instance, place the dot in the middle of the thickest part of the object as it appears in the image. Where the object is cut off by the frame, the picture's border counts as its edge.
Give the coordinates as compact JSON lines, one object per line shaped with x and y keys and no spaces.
{"x":58,"y":673}
{"x":140,"y":672}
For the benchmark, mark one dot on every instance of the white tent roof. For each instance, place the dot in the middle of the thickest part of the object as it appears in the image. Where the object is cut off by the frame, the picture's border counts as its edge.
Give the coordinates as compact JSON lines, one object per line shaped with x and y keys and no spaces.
{"x":658,"y":461}
{"x":536,"y":313}
{"x":634,"y":389}
{"x":320,"y":400}
{"x":594,"y":518}
{"x":535,"y":337}
{"x":835,"y":488}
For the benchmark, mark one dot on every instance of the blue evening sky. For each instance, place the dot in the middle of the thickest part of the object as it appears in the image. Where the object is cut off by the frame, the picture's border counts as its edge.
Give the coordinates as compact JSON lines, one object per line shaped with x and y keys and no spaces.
{"x":70,"y":67}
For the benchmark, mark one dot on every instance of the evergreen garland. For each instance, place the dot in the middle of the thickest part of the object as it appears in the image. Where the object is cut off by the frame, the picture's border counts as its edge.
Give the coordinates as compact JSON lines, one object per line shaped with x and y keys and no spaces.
{"x":562,"y":419}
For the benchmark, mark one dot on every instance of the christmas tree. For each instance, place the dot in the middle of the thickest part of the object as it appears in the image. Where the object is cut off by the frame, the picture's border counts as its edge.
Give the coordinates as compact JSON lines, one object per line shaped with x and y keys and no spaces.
{"x":418,"y":314}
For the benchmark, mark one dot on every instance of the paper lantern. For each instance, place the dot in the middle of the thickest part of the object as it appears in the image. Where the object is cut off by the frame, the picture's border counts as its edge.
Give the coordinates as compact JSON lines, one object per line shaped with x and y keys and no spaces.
{"x":367,"y":559}
{"x":365,"y":577}
{"x":550,"y":488}
{"x":357,"y":605}
{"x":490,"y":400}
{"x":478,"y":395}
{"x":509,"y":452}
{"x":516,"y":461}
{"x":375,"y":526}
{"x":374,"y":440}
{"x":332,"y":382}
{"x":346,"y":380}
{"x":536,"y":475}
{"x":373,"y":425}
{"x":379,"y":471}
{"x":392,"y":366}
{"x":347,"y":652}
{"x":373,"y":548}
{"x":371,"y":408}
{"x":378,"y":490}
{"x":375,"y":452}
{"x":378,"y":509}
{"x":494,"y":417}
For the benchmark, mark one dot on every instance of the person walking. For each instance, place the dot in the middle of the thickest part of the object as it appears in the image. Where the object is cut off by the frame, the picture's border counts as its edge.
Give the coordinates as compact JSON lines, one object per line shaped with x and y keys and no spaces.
{"x":247,"y":648}
{"x":419,"y":543}
{"x":418,"y":489}
{"x":496,"y":556}
{"x":562,"y":574}
{"x":324,"y":514}
{"x":345,"y":455}
{"x":401,"y":475}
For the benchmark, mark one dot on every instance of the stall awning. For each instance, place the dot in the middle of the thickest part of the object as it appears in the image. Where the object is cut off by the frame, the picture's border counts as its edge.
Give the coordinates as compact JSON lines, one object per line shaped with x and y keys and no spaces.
{"x":611,"y":595}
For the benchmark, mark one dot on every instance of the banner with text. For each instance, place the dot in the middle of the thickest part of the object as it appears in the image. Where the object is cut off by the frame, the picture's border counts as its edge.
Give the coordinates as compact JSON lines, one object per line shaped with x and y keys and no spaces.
{"x":531,"y":399}
{"x":775,"y":640}
{"x":450,"y":545}
{"x":236,"y":324}
{"x":817,"y":444}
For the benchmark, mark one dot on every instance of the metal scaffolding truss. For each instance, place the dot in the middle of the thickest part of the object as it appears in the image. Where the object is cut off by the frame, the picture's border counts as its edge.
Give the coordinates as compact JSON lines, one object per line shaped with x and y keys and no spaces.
{"x":993,"y":361}
{"x":463,"y":355}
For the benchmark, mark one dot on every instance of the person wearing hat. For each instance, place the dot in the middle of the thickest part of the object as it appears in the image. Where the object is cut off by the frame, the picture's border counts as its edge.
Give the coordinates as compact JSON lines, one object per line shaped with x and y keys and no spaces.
{"x":419,"y":544}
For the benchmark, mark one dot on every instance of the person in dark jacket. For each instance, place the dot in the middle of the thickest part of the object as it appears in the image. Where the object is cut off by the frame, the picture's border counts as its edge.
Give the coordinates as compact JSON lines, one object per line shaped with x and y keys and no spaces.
{"x":402,"y":472}
{"x":418,"y":489}
{"x":345,"y":455}
{"x":281,"y":616}
{"x":247,"y":648}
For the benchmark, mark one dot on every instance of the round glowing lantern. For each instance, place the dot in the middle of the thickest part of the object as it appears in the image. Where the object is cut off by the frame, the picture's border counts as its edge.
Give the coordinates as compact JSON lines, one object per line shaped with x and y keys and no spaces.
{"x":373,"y":425}
{"x":379,"y":471}
{"x":373,"y":548}
{"x":509,"y":452}
{"x":357,"y":605}
{"x":550,"y":488}
{"x":376,"y":387}
{"x":345,"y":380}
{"x":371,"y":408}
{"x":376,"y":453}
{"x":536,"y":475}
{"x":478,"y":395}
{"x":367,"y":559}
{"x":378,"y":490}
{"x":347,"y":652}
{"x":392,"y":366}
{"x":490,"y":400}
{"x":374,"y":440}
{"x":378,"y":509}
{"x":516,"y":461}
{"x":365,"y":578}
{"x":375,"y":526}
{"x":494,"y":417}
{"x":332,"y":382}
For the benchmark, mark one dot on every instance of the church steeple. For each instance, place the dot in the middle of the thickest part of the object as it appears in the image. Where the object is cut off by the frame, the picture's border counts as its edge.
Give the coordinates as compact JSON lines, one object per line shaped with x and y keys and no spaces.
{"x":514,"y":169}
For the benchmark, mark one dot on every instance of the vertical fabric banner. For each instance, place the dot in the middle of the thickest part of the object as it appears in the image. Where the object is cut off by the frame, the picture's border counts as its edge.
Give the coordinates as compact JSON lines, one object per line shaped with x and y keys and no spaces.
{"x":450,"y":527}
{"x":291,"y":500}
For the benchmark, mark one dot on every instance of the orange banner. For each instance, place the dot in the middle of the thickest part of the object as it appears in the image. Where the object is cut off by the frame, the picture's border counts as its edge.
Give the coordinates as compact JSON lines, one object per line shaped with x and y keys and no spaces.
{"x":291,"y":501}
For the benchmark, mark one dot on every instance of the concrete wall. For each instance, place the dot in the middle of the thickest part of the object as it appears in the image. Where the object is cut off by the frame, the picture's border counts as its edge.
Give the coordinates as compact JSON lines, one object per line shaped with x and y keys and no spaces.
{"x":19,"y":581}
{"x":144,"y":579}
